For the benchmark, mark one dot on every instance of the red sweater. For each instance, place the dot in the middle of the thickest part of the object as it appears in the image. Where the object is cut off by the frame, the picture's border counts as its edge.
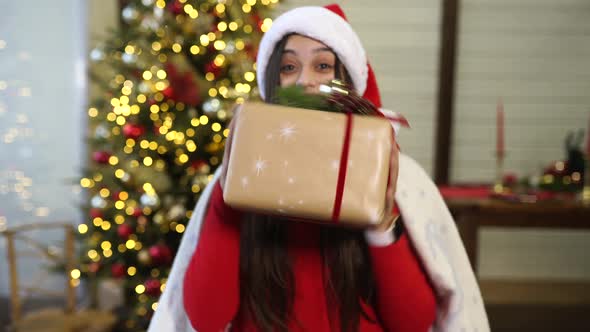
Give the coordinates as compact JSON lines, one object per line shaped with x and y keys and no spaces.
{"x":405,"y":299}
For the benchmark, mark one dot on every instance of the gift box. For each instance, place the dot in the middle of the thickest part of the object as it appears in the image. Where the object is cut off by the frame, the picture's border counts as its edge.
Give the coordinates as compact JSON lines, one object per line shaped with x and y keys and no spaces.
{"x":306,"y":164}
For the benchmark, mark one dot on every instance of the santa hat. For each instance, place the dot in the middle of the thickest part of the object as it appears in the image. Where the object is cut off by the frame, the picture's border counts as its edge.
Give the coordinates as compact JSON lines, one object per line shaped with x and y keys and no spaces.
{"x":328,"y":25}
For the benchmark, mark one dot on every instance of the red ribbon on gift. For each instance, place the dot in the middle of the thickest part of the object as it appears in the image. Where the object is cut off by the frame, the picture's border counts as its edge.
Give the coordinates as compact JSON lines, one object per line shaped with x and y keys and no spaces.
{"x":344,"y":167}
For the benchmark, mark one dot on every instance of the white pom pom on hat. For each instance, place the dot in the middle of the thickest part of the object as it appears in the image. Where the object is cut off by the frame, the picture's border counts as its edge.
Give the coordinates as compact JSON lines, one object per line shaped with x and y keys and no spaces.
{"x":328,"y":25}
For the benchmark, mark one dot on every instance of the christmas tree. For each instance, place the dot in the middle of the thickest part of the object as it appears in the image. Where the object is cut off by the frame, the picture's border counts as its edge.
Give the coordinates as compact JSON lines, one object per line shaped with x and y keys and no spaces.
{"x":168,"y":80}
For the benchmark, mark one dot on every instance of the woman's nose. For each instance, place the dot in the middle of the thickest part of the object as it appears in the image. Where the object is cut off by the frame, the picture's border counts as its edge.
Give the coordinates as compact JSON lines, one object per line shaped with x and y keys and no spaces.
{"x":307,"y":80}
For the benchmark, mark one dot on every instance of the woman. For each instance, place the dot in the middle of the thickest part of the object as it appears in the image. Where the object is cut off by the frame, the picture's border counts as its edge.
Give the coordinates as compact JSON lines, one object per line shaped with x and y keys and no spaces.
{"x":249,"y":273}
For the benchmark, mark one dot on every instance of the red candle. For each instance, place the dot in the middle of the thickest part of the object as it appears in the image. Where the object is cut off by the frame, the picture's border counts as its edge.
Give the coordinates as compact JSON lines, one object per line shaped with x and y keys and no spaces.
{"x":500,"y":128}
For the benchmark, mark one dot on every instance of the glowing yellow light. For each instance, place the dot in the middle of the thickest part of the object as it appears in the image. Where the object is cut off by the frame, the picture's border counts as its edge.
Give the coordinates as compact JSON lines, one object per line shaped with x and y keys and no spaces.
{"x":176,"y":47}
{"x":212,"y":92}
{"x":251,"y":2}
{"x":139,"y":289}
{"x":209,"y":77}
{"x":265,"y":2}
{"x":204,"y":119}
{"x":147,"y":161}
{"x":153,"y":146}
{"x":104,"y":192}
{"x":222,"y":26}
{"x":75,"y":282}
{"x":115,"y":102}
{"x":240,"y":44}
{"x":195,"y":122}
{"x":162,"y":85}
{"x":559,"y":166}
{"x":216,"y":127}
{"x":105,"y":225}
{"x":180,"y":228}
{"x":129,"y":49}
{"x":141,"y":99}
{"x":249,"y":76}
{"x":191,"y":146}
{"x":119,"y":205}
{"x":156,"y":46}
{"x":82,"y":228}
{"x":163,"y":130}
{"x":111,"y":117}
{"x":154,"y":108}
{"x":161,"y":4}
{"x":196,"y":188}
{"x":204,"y":40}
{"x":124,"y":100}
{"x":105,"y":245}
{"x":75,"y":274}
{"x":113,"y":160}
{"x":233,"y":26}
{"x":107,"y":253}
{"x":92,"y":254}
{"x":219,"y":60}
{"x":154,"y":306}
{"x":194,"y":14}
{"x":121,"y":248}
{"x":130,"y":244}
{"x":97,"y":222}
{"x":246,"y":8}
{"x":183,"y":158}
{"x":144,"y":144}
{"x":225,"y":132}
{"x":148,"y":187}
{"x":85,"y":183}
{"x":220,"y":8}
{"x":248,"y":28}
{"x":216,"y":138}
{"x":195,"y":49}
{"x":223,"y":91}
{"x":119,"y":219}
{"x":138,"y":246}
{"x":266,"y":24}
{"x":92,"y":112}
{"x":576,"y":176}
{"x":121,"y":120}
{"x":219,"y":45}
{"x":131,"y":270}
{"x":161,"y":74}
{"x":188,"y":8}
{"x":158,"y":96}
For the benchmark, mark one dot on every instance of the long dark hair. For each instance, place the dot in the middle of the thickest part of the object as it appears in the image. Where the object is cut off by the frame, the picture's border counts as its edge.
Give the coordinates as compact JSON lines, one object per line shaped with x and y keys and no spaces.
{"x":266,"y":275}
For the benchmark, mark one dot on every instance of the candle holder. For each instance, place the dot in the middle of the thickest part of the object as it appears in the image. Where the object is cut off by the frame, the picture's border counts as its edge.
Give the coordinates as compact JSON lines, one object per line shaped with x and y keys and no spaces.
{"x":499,"y":183}
{"x":585,"y":197}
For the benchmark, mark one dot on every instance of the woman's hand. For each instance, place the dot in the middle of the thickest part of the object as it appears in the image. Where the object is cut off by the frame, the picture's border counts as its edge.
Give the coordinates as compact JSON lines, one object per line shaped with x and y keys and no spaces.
{"x":391,"y":216}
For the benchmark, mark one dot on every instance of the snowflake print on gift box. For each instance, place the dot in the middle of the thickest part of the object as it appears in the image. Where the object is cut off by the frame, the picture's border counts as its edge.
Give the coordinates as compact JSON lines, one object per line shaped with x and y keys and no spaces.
{"x":287,"y":131}
{"x":260,"y":165}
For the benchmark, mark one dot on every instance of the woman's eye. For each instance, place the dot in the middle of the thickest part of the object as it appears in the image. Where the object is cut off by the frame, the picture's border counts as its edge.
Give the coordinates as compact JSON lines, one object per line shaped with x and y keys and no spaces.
{"x":324,"y":66}
{"x":287,"y":68}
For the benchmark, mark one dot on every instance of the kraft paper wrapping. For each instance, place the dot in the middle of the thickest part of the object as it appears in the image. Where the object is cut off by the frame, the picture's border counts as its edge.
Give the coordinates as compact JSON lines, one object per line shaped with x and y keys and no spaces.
{"x":285,"y":161}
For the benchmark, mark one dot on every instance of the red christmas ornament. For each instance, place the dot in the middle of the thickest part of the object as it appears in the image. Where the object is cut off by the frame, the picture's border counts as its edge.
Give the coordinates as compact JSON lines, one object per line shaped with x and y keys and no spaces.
{"x":95,"y":213}
{"x":211,"y":67}
{"x":152,"y":287}
{"x":124,"y":231}
{"x":183,"y":87}
{"x":133,"y":131}
{"x":101,"y":157}
{"x":115,"y":195}
{"x":118,"y":270}
{"x":160,"y":254}
{"x":137,"y":212}
{"x":176,"y":7}
{"x":94,"y":267}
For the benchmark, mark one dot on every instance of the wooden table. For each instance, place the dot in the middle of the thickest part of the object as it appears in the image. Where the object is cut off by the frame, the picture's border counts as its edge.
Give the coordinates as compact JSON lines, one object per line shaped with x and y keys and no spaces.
{"x":471,"y":214}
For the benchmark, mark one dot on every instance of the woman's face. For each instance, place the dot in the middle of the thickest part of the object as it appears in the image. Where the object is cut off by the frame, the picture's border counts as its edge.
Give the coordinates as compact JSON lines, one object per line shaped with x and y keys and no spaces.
{"x":306,"y":62}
